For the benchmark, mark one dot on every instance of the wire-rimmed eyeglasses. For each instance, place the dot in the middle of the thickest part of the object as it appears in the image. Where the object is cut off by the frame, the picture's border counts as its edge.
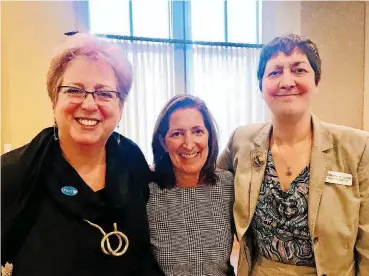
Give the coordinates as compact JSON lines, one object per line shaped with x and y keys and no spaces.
{"x":77,"y":95}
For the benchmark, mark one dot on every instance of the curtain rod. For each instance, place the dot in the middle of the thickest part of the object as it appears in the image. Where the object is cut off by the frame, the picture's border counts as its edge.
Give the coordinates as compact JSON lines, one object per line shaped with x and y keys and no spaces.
{"x":175,"y":41}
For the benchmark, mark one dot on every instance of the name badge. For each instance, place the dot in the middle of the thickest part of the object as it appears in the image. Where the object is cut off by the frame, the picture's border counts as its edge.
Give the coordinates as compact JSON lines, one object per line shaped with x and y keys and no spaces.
{"x":339,"y":178}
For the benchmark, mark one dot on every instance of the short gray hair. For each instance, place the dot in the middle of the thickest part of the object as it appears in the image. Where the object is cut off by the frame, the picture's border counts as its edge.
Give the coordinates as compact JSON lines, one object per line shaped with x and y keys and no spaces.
{"x":91,"y":47}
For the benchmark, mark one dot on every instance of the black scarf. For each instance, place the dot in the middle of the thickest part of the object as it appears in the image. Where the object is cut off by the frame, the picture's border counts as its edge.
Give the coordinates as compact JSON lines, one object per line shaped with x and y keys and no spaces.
{"x":21,"y":183}
{"x":20,"y":173}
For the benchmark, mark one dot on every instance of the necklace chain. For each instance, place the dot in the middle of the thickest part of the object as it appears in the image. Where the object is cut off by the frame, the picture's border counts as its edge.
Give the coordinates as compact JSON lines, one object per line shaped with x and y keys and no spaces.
{"x":287,"y":165}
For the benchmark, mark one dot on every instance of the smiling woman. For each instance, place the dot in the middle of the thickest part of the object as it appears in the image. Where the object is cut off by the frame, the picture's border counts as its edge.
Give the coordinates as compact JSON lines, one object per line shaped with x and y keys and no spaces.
{"x":86,"y":119}
{"x":79,"y":182}
{"x":190,"y":206}
{"x":285,"y":192}
{"x":186,"y":143}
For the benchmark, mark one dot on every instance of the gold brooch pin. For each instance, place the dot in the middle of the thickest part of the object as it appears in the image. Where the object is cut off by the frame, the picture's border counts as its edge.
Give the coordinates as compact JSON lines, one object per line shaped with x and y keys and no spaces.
{"x":105,"y":240}
{"x":7,"y":270}
{"x":259,"y":159}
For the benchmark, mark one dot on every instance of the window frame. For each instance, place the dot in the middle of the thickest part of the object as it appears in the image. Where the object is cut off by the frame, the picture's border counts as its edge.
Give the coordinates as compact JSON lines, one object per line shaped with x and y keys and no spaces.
{"x":180,"y":35}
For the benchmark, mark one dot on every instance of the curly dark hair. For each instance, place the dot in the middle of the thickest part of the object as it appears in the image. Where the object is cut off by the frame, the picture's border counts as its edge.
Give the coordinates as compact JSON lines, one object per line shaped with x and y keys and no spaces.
{"x":286,"y":44}
{"x":164,"y":172}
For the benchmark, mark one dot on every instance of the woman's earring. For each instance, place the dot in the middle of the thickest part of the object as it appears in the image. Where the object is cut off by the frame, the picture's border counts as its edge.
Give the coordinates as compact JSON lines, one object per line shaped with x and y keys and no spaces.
{"x":118,"y":139}
{"x":55,"y":135}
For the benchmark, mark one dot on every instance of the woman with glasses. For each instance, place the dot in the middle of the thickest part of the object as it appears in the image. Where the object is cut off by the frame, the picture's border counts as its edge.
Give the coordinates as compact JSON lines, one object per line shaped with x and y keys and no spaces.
{"x":74,"y":198}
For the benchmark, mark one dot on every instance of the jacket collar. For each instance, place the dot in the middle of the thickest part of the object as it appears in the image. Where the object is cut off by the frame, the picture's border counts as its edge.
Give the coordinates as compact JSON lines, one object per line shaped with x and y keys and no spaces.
{"x":322,"y":139}
{"x":322,"y":143}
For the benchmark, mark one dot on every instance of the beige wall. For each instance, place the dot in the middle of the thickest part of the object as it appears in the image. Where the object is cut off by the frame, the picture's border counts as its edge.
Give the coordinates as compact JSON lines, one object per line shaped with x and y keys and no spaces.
{"x":366,"y":72}
{"x":338,"y":29}
{"x":29,"y":33}
{"x":280,"y":17}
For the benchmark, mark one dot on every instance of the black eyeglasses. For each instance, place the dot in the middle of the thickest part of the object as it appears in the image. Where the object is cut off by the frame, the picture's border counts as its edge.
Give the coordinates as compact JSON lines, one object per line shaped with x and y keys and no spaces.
{"x":77,"y":95}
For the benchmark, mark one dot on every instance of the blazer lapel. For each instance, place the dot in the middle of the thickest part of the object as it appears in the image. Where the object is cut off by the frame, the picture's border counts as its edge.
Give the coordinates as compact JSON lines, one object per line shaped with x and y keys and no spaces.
{"x":318,"y":169}
{"x":258,"y":157}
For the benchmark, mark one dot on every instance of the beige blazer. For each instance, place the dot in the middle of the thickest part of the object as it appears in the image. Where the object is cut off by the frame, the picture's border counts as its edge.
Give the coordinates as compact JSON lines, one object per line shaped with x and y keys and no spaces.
{"x":338,"y":214}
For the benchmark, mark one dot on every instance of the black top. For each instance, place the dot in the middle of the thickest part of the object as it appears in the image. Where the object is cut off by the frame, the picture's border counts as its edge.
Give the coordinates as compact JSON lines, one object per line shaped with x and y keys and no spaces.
{"x":58,"y":240}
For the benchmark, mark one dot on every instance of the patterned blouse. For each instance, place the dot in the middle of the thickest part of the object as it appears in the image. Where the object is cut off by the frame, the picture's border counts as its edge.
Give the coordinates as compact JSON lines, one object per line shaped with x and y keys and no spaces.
{"x":190,"y":228}
{"x":280,"y":223}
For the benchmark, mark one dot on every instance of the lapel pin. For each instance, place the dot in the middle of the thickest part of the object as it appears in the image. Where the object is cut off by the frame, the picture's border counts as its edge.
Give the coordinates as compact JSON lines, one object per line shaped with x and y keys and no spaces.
{"x":259,"y":159}
{"x":69,"y":190}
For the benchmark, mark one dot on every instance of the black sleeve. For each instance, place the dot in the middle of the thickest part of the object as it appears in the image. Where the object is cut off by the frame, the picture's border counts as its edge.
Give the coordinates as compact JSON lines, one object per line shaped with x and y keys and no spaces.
{"x":11,"y":175}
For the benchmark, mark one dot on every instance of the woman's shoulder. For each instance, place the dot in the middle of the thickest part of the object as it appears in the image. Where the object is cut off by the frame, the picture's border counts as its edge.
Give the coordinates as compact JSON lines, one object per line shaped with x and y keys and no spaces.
{"x":347,"y":143}
{"x":129,"y":146}
{"x":16,"y":163}
{"x":244,"y":135}
{"x":341,"y":131}
{"x":351,"y":139}
{"x":154,"y":185}
{"x":131,"y":155}
{"x":11,"y":158}
{"x":224,"y":175}
{"x":155,"y":188}
{"x":29,"y":150}
{"x":225,"y":178}
{"x":251,"y":130}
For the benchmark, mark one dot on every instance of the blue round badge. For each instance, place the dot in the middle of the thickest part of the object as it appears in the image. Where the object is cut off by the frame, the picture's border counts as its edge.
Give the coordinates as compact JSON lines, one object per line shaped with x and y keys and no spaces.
{"x":69,"y":190}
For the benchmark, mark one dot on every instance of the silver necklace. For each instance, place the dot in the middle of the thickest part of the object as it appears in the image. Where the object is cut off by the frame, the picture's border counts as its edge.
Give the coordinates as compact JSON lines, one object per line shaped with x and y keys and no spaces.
{"x":288,"y":166}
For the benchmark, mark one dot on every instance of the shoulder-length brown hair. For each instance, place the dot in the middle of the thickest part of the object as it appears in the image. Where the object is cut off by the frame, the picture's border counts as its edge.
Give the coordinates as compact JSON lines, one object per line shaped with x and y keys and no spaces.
{"x":164,"y":172}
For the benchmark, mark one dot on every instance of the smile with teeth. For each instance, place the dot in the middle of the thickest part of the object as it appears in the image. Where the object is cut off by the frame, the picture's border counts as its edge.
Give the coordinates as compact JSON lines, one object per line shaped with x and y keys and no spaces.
{"x":187,"y":156}
{"x":87,"y":122}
